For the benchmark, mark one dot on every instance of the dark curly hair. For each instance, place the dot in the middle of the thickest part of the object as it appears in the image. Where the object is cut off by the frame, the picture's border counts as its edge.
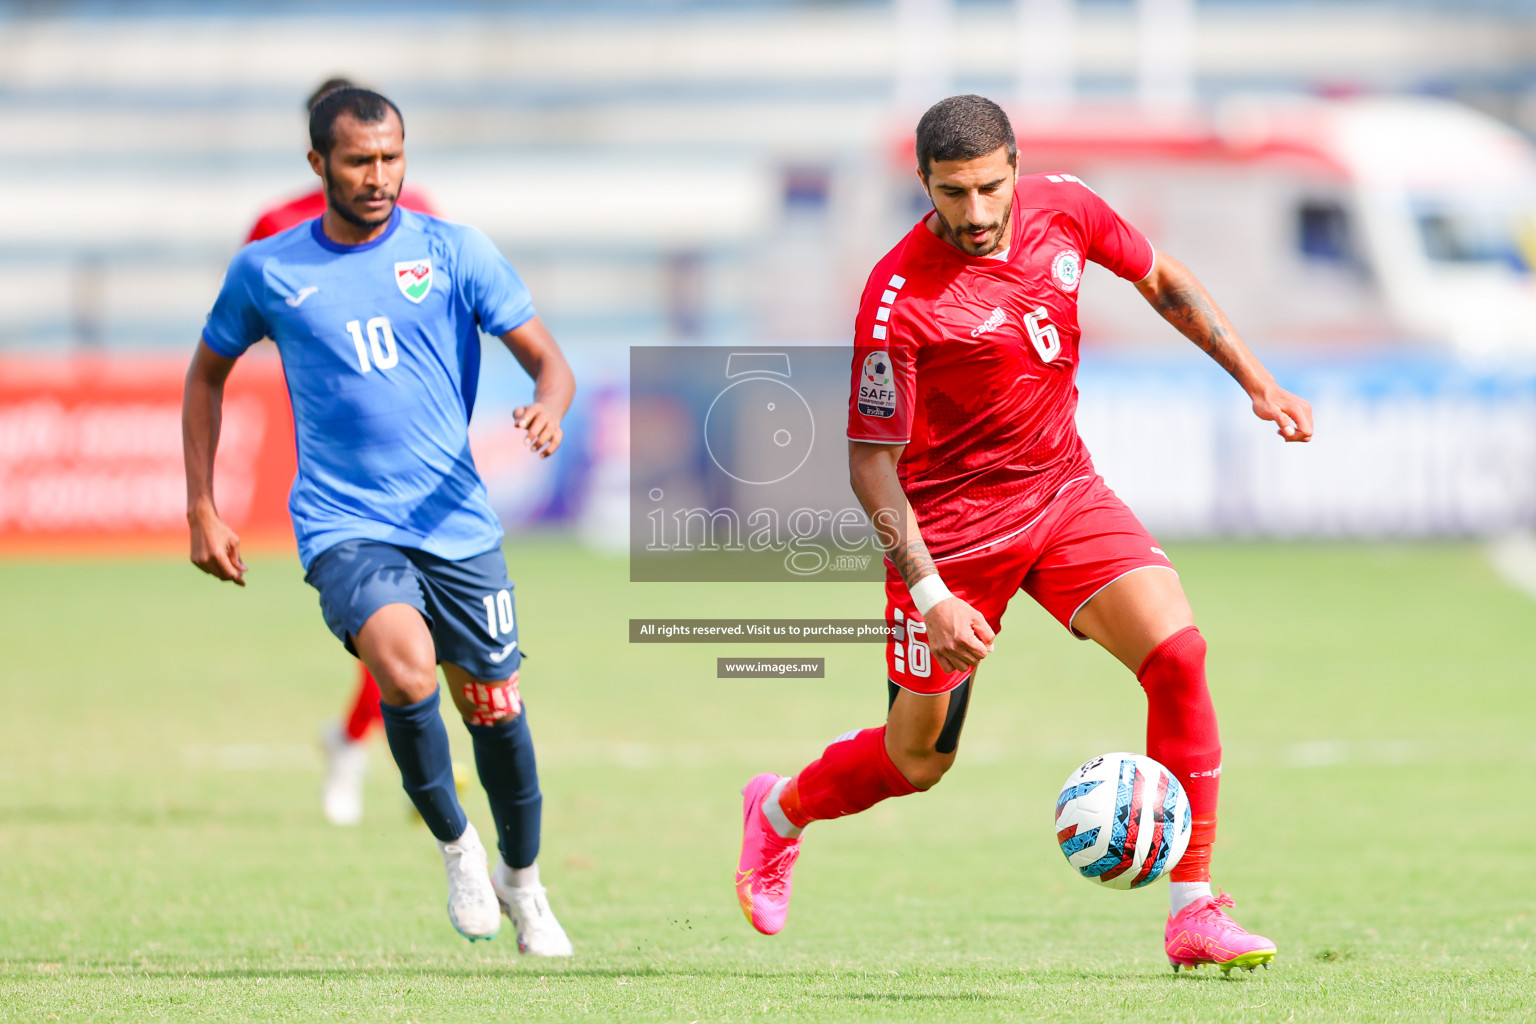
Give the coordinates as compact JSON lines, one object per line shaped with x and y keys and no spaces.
{"x":963,"y":128}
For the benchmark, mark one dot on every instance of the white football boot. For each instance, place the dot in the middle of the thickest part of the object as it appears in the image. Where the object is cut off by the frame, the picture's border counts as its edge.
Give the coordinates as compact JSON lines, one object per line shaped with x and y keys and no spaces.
{"x":538,"y":933}
{"x":346,"y":765}
{"x":472,"y":906}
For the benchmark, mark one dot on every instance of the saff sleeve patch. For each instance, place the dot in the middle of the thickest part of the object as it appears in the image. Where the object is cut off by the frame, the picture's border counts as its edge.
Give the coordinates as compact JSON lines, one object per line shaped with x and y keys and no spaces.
{"x":877,"y":386}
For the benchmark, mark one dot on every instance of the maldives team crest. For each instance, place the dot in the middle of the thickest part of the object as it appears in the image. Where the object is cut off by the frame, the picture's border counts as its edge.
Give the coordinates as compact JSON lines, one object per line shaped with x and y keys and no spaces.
{"x":414,"y":278}
{"x":1067,"y":269}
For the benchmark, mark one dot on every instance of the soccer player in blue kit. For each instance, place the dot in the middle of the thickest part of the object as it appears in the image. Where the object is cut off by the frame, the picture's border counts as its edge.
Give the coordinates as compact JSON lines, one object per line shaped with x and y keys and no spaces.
{"x":376,"y":312}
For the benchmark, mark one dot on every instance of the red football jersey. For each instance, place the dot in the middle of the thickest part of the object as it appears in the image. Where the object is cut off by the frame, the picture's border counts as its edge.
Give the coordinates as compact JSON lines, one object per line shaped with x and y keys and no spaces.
{"x":311,"y":205}
{"x":971,"y":362}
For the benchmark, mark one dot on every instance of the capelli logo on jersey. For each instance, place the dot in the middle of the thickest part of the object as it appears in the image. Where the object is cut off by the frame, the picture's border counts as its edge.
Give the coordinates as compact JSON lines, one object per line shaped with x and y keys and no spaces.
{"x":990,"y":324}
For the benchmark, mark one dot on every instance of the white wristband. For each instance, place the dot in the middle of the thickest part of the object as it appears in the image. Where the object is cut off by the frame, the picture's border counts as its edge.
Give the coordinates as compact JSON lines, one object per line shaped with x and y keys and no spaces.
{"x":927,"y":592}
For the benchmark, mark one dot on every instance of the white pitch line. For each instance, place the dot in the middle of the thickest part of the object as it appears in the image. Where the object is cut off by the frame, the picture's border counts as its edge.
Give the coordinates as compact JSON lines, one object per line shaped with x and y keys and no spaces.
{"x":1513,"y":557}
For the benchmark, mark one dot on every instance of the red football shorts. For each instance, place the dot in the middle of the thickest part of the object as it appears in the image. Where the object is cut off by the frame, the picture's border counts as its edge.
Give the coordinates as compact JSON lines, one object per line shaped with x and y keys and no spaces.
{"x":1084,"y":540}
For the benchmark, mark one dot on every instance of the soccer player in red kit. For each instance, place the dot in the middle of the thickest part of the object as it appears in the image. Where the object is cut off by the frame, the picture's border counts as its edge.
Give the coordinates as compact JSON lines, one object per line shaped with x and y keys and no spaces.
{"x":346,"y":756}
{"x":964,"y":452}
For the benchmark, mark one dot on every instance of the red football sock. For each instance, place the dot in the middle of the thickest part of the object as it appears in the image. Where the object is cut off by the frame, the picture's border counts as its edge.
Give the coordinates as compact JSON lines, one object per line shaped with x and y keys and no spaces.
{"x":365,"y":706}
{"x":1181,"y":733}
{"x":850,"y":776}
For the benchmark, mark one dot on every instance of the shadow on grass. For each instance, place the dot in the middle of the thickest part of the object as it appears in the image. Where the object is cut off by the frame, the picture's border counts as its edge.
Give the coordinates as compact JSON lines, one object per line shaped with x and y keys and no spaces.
{"x":29,"y":967}
{"x":923,"y":997}
{"x":143,"y":817}
{"x":16,"y":968}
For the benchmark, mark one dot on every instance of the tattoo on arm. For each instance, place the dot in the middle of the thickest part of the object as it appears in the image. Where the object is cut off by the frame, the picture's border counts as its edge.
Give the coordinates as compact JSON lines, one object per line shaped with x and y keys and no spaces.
{"x":890,"y":513}
{"x":913,"y":561}
{"x":1197,"y":319}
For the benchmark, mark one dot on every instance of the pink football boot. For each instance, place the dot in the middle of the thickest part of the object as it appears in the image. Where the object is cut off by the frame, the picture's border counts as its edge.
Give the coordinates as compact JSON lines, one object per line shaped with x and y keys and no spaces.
{"x":767,"y":860}
{"x":1202,"y":933}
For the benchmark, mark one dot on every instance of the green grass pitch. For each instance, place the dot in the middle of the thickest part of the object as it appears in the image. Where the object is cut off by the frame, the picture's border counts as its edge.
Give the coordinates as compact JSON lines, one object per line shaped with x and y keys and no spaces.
{"x":162,"y":855}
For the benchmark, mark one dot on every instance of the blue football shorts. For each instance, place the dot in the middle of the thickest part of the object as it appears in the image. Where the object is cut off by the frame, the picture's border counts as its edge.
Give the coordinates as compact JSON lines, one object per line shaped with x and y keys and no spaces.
{"x":467,"y":604}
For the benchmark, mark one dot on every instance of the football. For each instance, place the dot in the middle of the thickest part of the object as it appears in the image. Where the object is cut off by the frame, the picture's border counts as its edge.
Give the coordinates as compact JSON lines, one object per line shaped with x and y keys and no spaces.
{"x":1122,"y":820}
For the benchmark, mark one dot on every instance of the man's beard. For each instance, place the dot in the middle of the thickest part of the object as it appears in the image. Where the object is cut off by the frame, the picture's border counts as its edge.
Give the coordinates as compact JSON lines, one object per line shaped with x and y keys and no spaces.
{"x":339,"y":203}
{"x":955,"y":237}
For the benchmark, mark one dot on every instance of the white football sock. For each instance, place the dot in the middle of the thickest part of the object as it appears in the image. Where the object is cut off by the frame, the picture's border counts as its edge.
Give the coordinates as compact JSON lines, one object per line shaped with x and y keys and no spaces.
{"x":1182,"y":894}
{"x":523,"y":878}
{"x":775,"y":814}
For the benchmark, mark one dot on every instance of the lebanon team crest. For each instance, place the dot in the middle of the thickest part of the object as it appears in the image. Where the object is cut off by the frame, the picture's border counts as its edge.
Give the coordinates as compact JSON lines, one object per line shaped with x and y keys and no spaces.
{"x":877,"y":389}
{"x":1067,"y":268}
{"x":414,"y":278}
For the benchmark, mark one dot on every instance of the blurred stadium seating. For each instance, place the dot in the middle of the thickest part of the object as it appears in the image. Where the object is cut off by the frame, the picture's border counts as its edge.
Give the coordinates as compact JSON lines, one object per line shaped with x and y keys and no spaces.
{"x":720,"y":172}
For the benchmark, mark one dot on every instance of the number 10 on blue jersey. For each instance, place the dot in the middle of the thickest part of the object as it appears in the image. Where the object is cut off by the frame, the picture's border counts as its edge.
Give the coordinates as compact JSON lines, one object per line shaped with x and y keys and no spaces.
{"x":381,"y":341}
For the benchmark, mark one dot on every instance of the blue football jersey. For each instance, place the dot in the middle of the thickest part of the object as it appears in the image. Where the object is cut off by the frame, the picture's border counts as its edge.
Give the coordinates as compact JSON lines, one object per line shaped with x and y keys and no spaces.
{"x":381,"y":350}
